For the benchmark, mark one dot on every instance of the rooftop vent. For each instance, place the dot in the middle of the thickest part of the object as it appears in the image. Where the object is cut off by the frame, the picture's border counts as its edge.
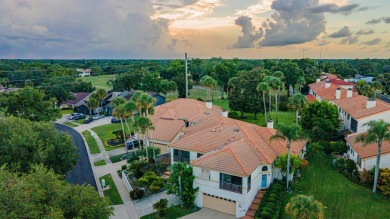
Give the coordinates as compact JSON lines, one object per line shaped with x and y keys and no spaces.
{"x":213,"y":130}
{"x":236,"y":129}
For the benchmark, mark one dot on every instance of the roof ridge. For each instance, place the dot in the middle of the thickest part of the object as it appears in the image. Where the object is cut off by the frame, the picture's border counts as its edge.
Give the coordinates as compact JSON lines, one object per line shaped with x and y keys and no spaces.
{"x":213,"y":153}
{"x":266,"y":142}
{"x":238,"y":161}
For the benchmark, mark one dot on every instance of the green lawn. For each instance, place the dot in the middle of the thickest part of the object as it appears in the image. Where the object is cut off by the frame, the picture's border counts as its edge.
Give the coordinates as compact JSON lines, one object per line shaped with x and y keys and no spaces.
{"x":66,"y":111}
{"x":100,"y":163}
{"x":79,"y":121}
{"x":105,"y":132}
{"x":93,"y":146}
{"x":111,"y":193}
{"x":116,"y":158}
{"x":71,"y":124}
{"x":197,"y":92}
{"x":170,"y":213}
{"x":342,"y":198}
{"x":99,"y":81}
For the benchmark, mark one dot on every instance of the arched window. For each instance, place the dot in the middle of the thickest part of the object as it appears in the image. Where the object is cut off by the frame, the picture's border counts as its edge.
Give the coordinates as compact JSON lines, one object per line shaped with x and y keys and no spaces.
{"x":265,"y":168}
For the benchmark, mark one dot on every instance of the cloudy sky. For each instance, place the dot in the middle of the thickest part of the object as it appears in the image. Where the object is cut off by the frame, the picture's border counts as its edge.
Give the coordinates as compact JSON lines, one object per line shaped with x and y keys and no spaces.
{"x":77,"y":29}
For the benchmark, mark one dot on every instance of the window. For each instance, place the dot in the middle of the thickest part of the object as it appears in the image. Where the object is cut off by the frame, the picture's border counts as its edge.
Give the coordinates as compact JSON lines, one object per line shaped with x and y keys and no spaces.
{"x":347,"y":116}
{"x":181,"y":156}
{"x":265,"y":168}
{"x":359,"y":161}
{"x":205,"y":174}
{"x":230,"y":183}
{"x":199,"y":155}
{"x":354,"y":125}
{"x":249,"y":183}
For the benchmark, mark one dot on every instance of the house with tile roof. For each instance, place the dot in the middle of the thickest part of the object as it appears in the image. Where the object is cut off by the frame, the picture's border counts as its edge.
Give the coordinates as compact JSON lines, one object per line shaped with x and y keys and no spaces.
{"x":365,"y":155}
{"x":356,"y":111}
{"x":79,"y":99}
{"x":232,"y":160}
{"x":84,"y":72}
{"x":326,"y":90}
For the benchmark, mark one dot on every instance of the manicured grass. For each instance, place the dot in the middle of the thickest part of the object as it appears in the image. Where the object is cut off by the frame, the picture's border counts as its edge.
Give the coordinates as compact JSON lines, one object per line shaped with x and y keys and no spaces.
{"x":105,"y":133}
{"x":195,"y":93}
{"x":116,"y":158}
{"x":99,"y":81}
{"x":342,"y":198}
{"x":67,"y":111}
{"x":100,"y":163}
{"x":79,"y":121}
{"x":171,"y":213}
{"x":111,"y":193}
{"x":71,"y":124}
{"x":93,"y":146}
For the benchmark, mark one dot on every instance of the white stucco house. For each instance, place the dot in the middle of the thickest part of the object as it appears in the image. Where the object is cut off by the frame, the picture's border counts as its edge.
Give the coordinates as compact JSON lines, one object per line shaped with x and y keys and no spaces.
{"x":232,"y":160}
{"x":84,"y":72}
{"x":365,"y":155}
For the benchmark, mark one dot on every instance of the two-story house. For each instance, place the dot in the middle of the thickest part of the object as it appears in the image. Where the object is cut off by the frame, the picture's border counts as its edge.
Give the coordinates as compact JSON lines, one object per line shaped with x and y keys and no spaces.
{"x":232,"y":160}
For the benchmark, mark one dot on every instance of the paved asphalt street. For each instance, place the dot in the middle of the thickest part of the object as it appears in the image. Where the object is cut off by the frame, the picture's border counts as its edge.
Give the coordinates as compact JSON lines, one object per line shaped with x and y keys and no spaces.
{"x":82,"y":172}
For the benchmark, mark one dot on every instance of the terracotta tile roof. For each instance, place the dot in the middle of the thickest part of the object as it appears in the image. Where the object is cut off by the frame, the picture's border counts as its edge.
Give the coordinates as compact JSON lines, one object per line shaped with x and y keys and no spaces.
{"x":78,"y":97}
{"x":168,"y":118}
{"x":329,"y":76}
{"x":226,"y":139}
{"x":338,"y":81}
{"x":310,"y":98}
{"x":356,"y":106}
{"x":330,"y":92}
{"x":366,"y":151}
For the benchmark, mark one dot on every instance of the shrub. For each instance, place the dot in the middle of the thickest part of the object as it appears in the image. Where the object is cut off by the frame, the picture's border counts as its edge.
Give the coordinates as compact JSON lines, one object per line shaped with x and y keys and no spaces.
{"x":137,"y":193}
{"x":123,"y":167}
{"x":233,"y":115}
{"x":200,"y":99}
{"x":384,"y":181}
{"x":367,"y":178}
{"x":138,"y":167}
{"x":155,"y":188}
{"x":265,"y":214}
{"x":273,"y":200}
{"x":270,"y":204}
{"x":160,"y":206}
{"x":273,"y":194}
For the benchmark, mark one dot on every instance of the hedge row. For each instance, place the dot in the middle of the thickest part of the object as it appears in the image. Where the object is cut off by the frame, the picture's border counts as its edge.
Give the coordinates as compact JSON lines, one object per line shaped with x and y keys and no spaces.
{"x":270,"y":204}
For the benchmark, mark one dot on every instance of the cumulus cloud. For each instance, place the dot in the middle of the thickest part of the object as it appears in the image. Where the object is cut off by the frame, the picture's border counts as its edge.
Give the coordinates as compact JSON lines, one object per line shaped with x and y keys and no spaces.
{"x":378,"y":20}
{"x":365,"y":32}
{"x":73,"y":29}
{"x":372,"y":42}
{"x":293,"y":23}
{"x":350,"y":40}
{"x":343,"y":32}
{"x":249,"y":33}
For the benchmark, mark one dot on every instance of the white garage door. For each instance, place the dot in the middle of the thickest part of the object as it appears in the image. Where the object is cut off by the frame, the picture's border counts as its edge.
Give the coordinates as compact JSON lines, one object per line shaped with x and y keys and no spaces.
{"x":219,"y":204}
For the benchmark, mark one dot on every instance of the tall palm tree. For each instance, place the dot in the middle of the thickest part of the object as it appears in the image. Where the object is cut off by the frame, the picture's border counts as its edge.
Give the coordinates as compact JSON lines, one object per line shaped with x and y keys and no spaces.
{"x":117,"y":102}
{"x":144,"y":124}
{"x":298,"y":102}
{"x":301,"y":81}
{"x":263,"y":88}
{"x":208,"y":82}
{"x":101,"y":94}
{"x":305,"y":207}
{"x":378,"y":132}
{"x":129,"y":108}
{"x":120,"y":113}
{"x":376,"y":86}
{"x":93,"y":103}
{"x":137,"y":100}
{"x":268,"y":80}
{"x":289,"y":133}
{"x":275,"y":83}
{"x":147,"y":102}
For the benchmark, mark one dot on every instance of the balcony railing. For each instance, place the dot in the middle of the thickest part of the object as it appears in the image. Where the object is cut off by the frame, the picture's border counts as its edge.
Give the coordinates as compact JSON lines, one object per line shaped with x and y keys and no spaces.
{"x":181,"y":159}
{"x":230,"y":187}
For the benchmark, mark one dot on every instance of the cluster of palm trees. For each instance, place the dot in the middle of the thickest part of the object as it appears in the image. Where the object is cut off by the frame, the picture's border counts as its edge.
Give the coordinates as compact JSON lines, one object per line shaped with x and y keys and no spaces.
{"x":368,"y":89}
{"x":96,"y":99}
{"x":142,"y":104}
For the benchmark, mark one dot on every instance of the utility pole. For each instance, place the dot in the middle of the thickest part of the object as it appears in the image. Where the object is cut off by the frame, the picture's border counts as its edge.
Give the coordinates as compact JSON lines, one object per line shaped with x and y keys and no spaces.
{"x":186,"y":76}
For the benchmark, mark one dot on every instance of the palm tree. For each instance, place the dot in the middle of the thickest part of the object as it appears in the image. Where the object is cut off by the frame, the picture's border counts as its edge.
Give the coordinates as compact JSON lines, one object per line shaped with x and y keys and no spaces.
{"x":378,"y":132}
{"x":144,"y":124}
{"x":268,"y":79}
{"x":275,"y":83}
{"x":117,"y":102}
{"x":301,"y":81}
{"x":129,"y":108}
{"x":93,"y":103}
{"x":147,"y":102}
{"x":263,"y":88}
{"x":137,"y":100}
{"x":119,"y":112}
{"x":208,"y":82}
{"x":305,"y":207}
{"x":101,"y":94}
{"x":298,"y":102}
{"x":376,"y":86}
{"x":289,"y":133}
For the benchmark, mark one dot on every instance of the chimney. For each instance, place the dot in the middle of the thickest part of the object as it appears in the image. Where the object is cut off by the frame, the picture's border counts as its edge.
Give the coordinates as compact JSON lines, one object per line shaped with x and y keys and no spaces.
{"x":270,"y":124}
{"x":327,"y":83}
{"x":318,"y":80}
{"x":349,"y":92}
{"x":338,"y":93}
{"x":224,"y":113}
{"x":209,"y":104}
{"x":371,"y":103}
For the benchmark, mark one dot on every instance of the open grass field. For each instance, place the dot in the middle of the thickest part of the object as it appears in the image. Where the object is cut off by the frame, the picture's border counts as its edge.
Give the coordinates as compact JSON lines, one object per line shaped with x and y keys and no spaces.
{"x":93,"y":146}
{"x":342,"y":198}
{"x":99,"y":81}
{"x":112,"y":193}
{"x":172,"y":212}
{"x":105,"y":132}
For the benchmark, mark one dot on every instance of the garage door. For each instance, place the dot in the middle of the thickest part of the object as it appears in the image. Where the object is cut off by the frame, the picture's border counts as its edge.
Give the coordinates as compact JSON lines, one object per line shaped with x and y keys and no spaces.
{"x":219,"y":204}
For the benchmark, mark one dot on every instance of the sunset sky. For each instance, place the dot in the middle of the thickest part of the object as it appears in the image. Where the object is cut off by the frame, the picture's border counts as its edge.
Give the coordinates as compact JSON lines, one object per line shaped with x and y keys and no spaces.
{"x":165,"y":29}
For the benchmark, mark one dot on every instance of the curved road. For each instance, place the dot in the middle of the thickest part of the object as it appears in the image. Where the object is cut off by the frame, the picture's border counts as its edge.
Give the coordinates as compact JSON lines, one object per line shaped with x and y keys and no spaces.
{"x":82,"y":172}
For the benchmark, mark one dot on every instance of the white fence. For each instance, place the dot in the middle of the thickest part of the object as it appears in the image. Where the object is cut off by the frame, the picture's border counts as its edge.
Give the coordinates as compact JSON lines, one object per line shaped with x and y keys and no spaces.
{"x":126,"y":181}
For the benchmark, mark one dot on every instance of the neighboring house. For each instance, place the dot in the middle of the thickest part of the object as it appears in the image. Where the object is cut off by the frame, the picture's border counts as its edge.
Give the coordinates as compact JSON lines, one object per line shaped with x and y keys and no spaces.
{"x":365,"y":155}
{"x":358,"y":110}
{"x":367,"y":79}
{"x":231,"y":161}
{"x":84,"y":72}
{"x":326,"y":90}
{"x":79,"y":98}
{"x":171,"y":118}
{"x":128,"y":95}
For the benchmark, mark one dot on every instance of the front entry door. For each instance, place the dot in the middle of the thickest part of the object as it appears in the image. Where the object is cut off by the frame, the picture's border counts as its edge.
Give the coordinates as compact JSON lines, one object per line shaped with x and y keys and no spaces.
{"x":264,"y":181}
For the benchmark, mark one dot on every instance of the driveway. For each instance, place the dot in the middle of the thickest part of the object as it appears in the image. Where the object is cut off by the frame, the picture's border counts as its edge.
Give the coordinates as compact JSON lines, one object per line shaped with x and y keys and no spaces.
{"x":82,"y":172}
{"x":208,"y":213}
